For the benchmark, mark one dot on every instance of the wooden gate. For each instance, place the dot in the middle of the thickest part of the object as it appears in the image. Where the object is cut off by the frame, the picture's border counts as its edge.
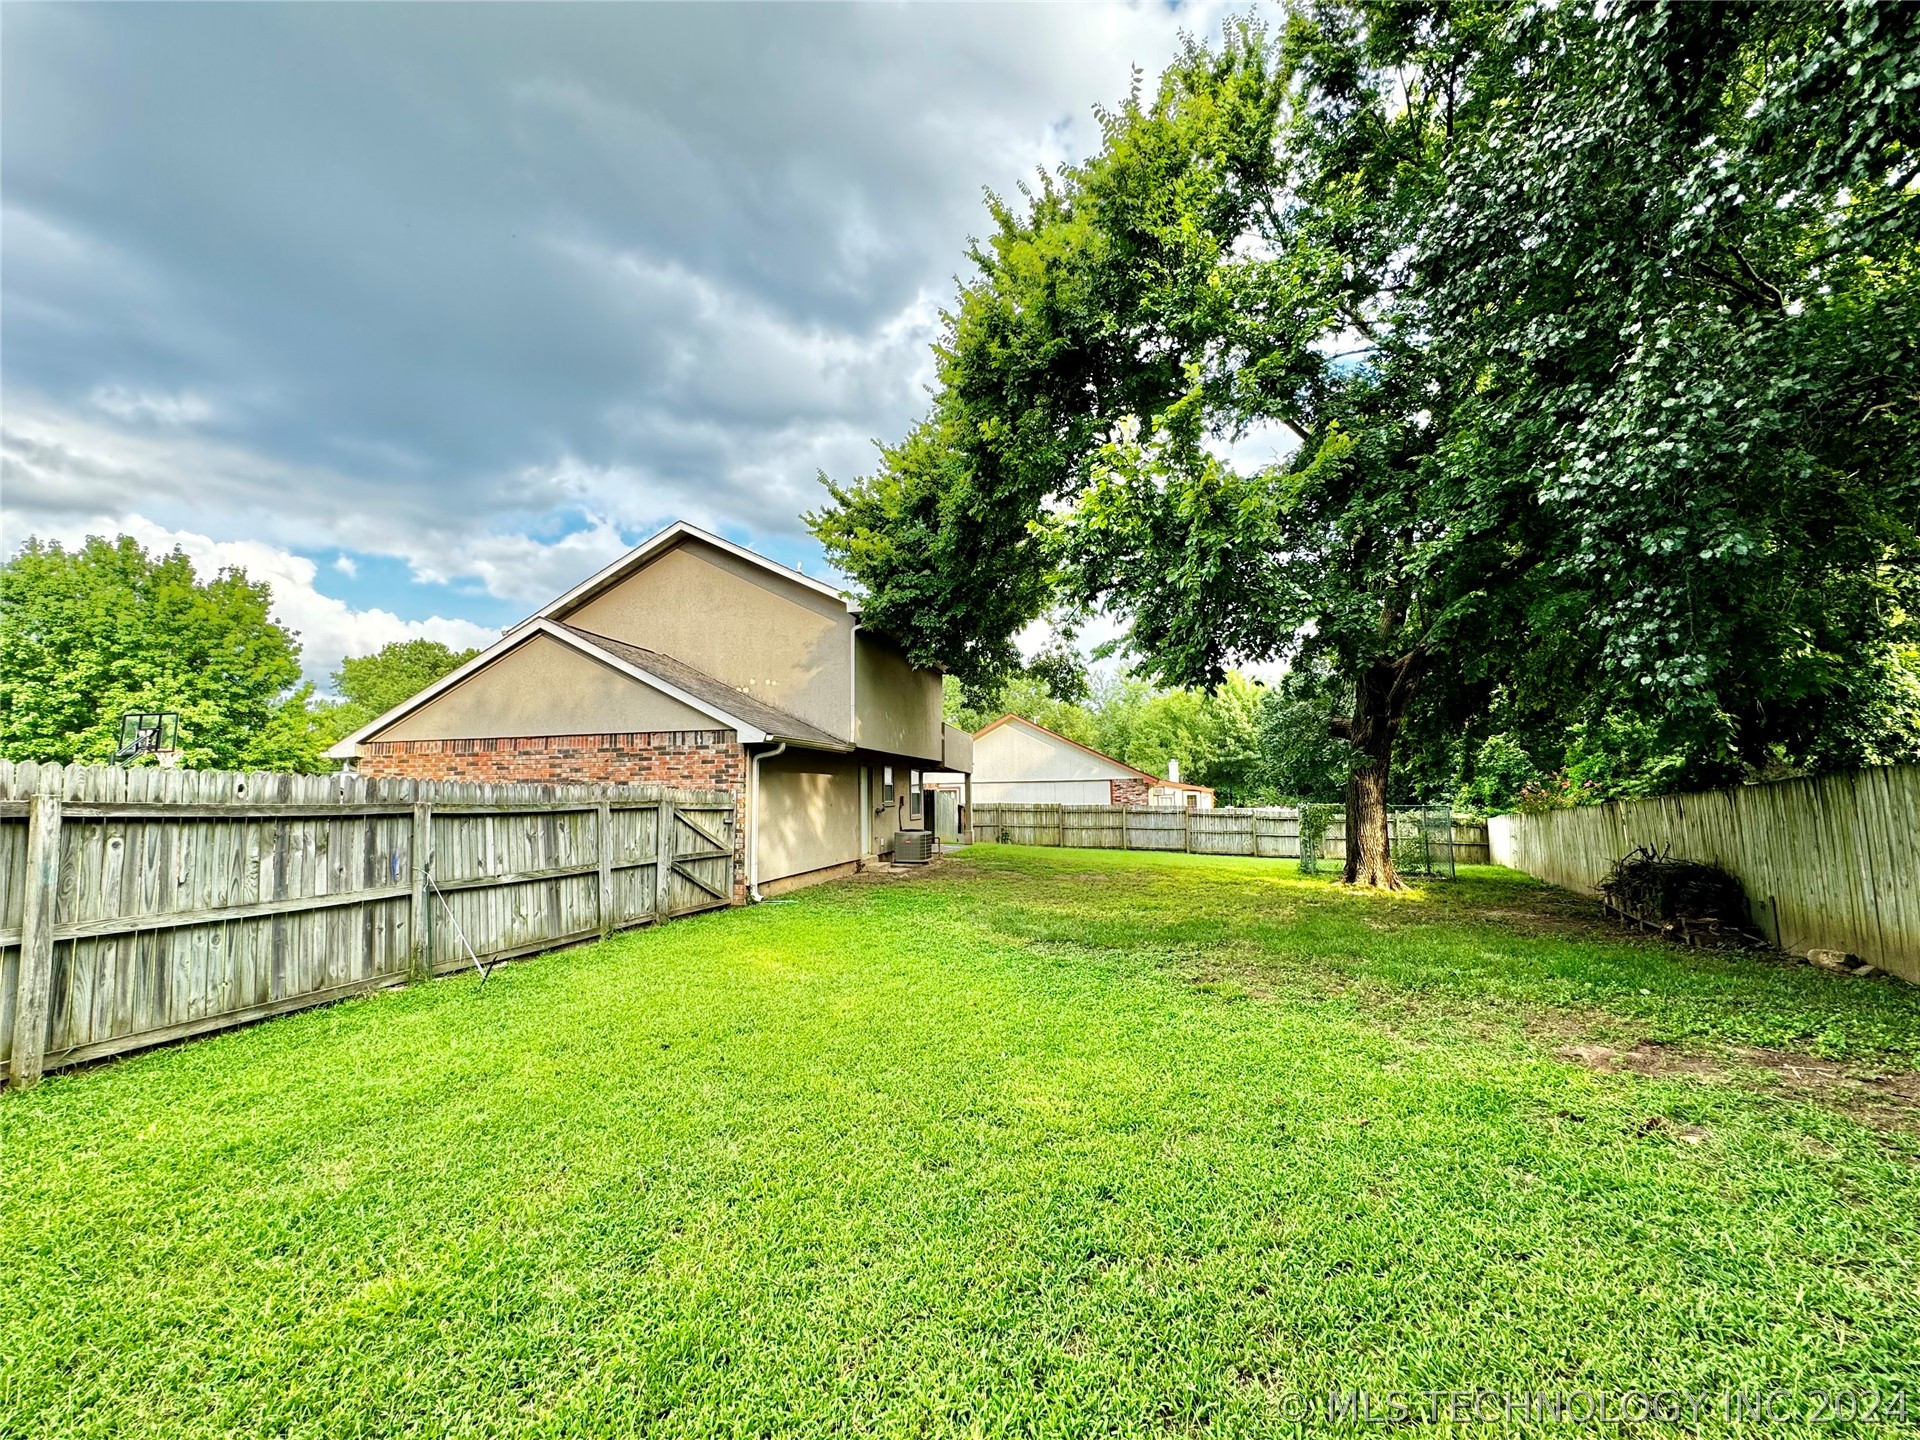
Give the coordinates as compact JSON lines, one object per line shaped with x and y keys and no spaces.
{"x":699,"y":858}
{"x":946,"y":816}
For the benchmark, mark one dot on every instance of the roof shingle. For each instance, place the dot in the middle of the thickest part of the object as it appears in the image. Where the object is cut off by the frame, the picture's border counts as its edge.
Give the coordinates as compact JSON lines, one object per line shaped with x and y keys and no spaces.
{"x":717,"y":693}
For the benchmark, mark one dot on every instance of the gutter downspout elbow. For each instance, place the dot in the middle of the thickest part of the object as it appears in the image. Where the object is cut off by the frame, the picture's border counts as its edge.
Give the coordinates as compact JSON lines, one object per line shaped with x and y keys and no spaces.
{"x":753,"y":822}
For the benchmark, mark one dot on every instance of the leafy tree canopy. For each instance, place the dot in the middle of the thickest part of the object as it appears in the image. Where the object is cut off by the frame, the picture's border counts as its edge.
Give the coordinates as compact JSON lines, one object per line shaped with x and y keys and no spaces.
{"x":1597,"y":329}
{"x":1676,"y":272}
{"x":88,"y":634}
{"x":371,"y":685}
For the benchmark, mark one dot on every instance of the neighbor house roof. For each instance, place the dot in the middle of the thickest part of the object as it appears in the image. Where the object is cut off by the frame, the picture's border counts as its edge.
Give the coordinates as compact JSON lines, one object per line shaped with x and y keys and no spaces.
{"x":1159,"y":780}
{"x":751,"y":719}
{"x":647,"y":549}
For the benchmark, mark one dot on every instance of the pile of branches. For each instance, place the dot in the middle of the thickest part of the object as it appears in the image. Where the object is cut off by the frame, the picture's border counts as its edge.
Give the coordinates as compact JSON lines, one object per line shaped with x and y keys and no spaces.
{"x":1683,"y":898}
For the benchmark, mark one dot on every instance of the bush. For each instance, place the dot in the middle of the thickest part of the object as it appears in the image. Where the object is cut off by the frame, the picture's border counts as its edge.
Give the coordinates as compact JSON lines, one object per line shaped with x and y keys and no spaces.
{"x":1502,"y":771}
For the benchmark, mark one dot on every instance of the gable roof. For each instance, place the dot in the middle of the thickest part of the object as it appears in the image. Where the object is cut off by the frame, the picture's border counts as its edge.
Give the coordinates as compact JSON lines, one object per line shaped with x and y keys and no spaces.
{"x":1097,"y":754}
{"x":777,"y":723}
{"x":752,"y":720}
{"x":665,"y":540}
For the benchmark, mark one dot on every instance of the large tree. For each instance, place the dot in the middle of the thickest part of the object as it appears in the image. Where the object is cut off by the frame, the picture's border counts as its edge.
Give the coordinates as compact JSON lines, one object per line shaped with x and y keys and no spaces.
{"x":1677,"y":275}
{"x":88,"y":634}
{"x":1371,"y":232}
{"x":1227,"y":262}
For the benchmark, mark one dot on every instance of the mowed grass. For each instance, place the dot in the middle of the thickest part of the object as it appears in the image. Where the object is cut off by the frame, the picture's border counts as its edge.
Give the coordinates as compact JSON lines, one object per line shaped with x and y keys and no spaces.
{"x":1043,"y":1142}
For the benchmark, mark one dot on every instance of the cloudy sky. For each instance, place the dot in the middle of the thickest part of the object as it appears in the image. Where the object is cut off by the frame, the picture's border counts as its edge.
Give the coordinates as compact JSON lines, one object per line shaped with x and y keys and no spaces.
{"x":426,"y":312}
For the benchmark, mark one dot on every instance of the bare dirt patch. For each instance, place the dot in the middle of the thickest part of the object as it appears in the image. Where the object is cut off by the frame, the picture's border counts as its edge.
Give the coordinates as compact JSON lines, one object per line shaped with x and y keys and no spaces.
{"x":880,"y":872}
{"x":1885,"y":1099}
{"x":1545,"y":910}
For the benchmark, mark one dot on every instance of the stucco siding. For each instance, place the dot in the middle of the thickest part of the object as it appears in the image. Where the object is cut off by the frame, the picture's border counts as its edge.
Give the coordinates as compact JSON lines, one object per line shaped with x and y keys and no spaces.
{"x":888,"y":820}
{"x":899,"y":710}
{"x":783,"y":643}
{"x":956,"y":749}
{"x":809,"y":813}
{"x":1017,"y":752}
{"x":545,"y":688}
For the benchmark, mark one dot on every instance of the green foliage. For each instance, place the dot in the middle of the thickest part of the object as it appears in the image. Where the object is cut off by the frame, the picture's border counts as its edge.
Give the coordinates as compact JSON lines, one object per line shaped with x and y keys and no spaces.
{"x":1315,"y":817}
{"x":371,"y":685}
{"x":1302,"y":759}
{"x":1024,"y":695}
{"x":90,"y":633}
{"x":1062,"y":671}
{"x":1219,"y":738}
{"x":1708,"y":336}
{"x":1622,"y":757}
{"x":1598,"y":329}
{"x":1501,"y":770}
{"x":1146,"y":727}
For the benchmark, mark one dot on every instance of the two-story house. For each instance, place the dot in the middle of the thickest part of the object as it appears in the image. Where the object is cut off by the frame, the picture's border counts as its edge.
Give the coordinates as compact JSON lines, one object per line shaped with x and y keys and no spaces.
{"x":692,"y":661}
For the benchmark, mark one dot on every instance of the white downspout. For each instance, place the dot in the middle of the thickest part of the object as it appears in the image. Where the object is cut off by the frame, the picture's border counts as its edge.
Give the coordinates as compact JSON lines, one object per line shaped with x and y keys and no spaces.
{"x":866,"y":812}
{"x":853,"y":683}
{"x":753,"y":821}
{"x":853,"y":734}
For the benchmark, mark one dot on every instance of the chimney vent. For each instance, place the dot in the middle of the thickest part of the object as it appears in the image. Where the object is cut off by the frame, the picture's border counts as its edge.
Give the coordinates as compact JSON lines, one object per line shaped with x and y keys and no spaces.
{"x":1173,"y":770}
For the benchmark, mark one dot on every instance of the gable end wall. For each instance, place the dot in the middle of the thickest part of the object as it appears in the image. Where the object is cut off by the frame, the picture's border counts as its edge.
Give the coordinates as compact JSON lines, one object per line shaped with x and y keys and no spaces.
{"x":780,"y":642}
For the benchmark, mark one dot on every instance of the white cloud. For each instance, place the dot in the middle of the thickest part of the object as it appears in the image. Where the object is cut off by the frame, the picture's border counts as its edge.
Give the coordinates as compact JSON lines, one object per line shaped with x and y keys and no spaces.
{"x":67,"y":475}
{"x":329,"y":629}
{"x":523,"y":568}
{"x":137,"y":405}
{"x":1263,"y":445}
{"x":541,"y":282}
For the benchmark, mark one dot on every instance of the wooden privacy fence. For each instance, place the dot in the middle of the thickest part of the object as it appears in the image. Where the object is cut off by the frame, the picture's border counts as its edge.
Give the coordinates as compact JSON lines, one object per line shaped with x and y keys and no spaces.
{"x":142,"y":906}
{"x":1829,"y":863}
{"x":1272,"y":832}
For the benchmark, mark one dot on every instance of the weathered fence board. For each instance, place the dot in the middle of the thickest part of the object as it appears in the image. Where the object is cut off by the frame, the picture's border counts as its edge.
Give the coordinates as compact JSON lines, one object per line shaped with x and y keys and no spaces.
{"x":1828,"y":863}
{"x":1269,"y":832}
{"x":165,"y":903}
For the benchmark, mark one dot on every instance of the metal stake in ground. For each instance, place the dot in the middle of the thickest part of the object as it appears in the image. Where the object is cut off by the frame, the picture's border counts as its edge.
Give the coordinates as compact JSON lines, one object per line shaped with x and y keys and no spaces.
{"x":434,"y":885}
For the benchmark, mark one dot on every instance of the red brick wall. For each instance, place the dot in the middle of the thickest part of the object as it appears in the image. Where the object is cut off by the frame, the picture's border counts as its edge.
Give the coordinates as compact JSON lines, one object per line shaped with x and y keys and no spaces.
{"x":691,"y":759}
{"x":1129,"y":792}
{"x":685,"y":759}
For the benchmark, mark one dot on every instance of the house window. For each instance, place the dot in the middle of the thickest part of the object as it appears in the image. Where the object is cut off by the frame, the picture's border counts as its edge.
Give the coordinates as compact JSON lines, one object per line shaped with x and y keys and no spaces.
{"x":913,"y":795}
{"x":1193,"y":800}
{"x":886,"y":785}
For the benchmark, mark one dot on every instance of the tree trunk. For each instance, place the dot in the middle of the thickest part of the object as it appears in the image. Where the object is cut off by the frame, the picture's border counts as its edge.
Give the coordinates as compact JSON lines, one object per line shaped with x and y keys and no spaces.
{"x":1381,"y":697}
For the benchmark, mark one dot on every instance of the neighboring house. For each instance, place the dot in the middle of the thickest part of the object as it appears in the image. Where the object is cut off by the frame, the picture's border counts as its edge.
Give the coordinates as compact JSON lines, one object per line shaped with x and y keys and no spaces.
{"x":1016,"y":762}
{"x":692,"y":661}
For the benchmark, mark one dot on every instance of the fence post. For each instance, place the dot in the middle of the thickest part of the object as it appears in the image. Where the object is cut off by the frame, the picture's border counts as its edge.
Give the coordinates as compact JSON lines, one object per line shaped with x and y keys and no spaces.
{"x":604,"y":833}
{"x":421,"y":961}
{"x":1186,"y":829}
{"x":36,"y":939}
{"x":1126,"y":827}
{"x":663,"y":861}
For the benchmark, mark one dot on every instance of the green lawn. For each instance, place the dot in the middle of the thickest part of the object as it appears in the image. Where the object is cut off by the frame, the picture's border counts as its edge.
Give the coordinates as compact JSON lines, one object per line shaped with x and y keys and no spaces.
{"x":1043,"y":1142}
